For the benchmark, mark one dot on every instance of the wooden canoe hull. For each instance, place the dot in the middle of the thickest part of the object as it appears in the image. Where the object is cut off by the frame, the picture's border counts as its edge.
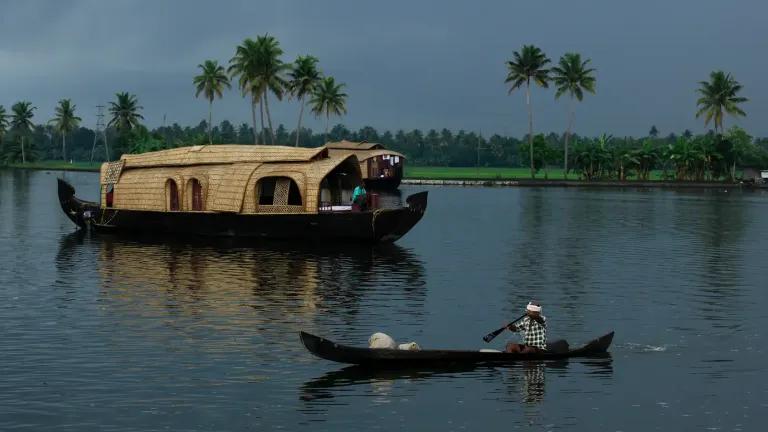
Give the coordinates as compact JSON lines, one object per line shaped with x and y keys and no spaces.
{"x":329,"y":350}
{"x":381,"y":225}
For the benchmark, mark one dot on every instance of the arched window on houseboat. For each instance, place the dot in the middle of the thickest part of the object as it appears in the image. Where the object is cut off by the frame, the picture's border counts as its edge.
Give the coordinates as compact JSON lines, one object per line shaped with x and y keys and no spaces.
{"x":172,"y":195}
{"x":194,"y":193}
{"x":278,"y":191}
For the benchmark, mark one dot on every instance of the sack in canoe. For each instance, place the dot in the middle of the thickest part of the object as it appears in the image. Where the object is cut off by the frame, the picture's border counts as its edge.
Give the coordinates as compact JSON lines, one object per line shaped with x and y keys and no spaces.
{"x":381,"y":340}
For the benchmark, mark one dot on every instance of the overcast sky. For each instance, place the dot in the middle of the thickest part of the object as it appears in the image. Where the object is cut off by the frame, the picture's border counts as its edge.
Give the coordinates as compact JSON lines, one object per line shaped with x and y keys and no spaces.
{"x":407,"y":64}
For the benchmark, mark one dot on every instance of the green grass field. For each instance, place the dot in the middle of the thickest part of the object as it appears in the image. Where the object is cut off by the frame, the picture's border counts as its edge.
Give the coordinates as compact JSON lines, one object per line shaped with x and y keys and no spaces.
{"x":489,"y":173}
{"x":57,"y":165}
{"x":411,"y":172}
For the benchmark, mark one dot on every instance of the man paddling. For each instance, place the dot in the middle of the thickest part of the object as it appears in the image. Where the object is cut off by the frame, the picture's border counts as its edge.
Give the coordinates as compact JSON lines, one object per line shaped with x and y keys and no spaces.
{"x":534,"y":330}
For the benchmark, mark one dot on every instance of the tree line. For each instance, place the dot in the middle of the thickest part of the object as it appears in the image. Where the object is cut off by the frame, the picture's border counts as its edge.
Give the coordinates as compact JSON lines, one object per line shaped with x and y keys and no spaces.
{"x":572,"y":76}
{"x":259,"y":72}
{"x":682,"y":156}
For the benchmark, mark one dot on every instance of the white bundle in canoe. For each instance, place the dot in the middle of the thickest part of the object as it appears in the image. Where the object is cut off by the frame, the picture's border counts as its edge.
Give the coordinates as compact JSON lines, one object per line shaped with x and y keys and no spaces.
{"x":382,"y":340}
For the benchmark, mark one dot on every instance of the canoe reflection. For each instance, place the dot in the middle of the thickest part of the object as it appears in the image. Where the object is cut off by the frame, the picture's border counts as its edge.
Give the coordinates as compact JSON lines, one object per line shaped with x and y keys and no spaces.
{"x":527,"y":377}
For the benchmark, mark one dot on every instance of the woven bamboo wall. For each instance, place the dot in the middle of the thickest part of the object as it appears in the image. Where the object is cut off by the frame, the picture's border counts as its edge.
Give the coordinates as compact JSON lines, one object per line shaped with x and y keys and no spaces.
{"x":146,"y":189}
{"x":227,"y":187}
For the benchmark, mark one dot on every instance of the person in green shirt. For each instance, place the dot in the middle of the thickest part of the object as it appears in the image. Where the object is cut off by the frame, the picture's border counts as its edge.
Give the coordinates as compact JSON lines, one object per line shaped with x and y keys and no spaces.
{"x":359,"y":198}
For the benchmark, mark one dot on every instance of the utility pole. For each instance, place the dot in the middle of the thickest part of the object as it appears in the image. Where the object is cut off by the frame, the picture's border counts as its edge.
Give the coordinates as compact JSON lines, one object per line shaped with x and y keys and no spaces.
{"x":479,"y":147}
{"x":101,"y":131}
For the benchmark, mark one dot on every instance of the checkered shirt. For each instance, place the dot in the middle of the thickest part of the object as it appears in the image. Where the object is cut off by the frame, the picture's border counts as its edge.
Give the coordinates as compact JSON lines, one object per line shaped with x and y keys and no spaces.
{"x":534,"y":334}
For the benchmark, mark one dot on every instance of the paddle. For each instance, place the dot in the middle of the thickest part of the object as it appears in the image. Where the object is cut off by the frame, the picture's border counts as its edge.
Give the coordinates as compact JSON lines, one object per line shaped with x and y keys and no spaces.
{"x":489,"y":337}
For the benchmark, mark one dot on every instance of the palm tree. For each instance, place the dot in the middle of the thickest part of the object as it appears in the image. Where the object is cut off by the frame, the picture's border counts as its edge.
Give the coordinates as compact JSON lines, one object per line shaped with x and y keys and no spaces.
{"x":572,"y":76}
{"x":3,"y":122}
{"x":211,"y":81}
{"x":3,"y":126}
{"x":528,"y":65}
{"x":244,"y":66}
{"x":328,"y":99}
{"x":21,"y":122}
{"x":125,"y":112}
{"x":718,"y":96}
{"x":269,"y":73}
{"x":304,"y":78}
{"x":65,"y":122}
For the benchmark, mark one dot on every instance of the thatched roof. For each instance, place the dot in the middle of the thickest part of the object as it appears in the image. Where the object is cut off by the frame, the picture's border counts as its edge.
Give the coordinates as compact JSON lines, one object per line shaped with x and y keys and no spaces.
{"x":350,"y":145}
{"x":222,"y":154}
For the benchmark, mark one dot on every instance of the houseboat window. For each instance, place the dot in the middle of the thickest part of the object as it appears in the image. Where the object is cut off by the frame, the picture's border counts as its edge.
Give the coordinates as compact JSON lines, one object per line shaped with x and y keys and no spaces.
{"x":294,"y":196}
{"x":173,"y":195}
{"x":267,"y":191}
{"x":197,"y":195}
{"x":278,"y":191}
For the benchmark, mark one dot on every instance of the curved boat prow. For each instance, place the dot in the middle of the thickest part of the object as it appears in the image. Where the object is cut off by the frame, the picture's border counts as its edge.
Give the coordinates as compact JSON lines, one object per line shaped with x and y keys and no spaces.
{"x":600,"y":345}
{"x":394,"y":224}
{"x":418,"y":201}
{"x":74,"y":208}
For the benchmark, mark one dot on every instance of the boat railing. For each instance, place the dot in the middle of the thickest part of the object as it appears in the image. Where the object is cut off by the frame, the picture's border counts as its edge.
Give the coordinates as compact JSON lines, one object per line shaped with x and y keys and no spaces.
{"x":338,"y":206}
{"x":330,"y":206}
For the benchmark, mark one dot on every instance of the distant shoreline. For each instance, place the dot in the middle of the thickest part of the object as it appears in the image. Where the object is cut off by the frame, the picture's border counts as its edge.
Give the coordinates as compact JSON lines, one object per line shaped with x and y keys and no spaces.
{"x":56,"y":166}
{"x":468,"y":181}
{"x":574,"y":183}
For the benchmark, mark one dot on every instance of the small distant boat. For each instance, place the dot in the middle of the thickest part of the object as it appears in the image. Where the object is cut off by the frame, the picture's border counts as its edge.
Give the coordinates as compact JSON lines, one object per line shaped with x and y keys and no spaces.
{"x":329,"y":350}
{"x":241,"y":191}
{"x":381,"y":169}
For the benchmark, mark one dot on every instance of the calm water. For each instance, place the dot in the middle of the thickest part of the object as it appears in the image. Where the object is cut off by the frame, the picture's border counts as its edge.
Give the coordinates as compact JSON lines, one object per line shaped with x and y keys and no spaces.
{"x":115,"y":334}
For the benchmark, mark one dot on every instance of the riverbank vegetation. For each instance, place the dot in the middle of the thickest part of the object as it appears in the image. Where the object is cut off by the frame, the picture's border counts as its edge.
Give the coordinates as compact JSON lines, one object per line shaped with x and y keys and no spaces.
{"x":260,"y":73}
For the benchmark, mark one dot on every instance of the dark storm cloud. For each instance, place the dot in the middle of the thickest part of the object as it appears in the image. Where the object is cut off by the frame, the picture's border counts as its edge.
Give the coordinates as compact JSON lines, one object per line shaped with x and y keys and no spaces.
{"x":406,"y":64}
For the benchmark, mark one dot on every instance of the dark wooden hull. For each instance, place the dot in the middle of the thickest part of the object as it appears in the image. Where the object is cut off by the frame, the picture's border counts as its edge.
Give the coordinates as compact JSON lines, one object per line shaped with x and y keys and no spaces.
{"x":78,"y":211}
{"x":388,"y":183}
{"x":381,"y":225}
{"x":329,"y":350}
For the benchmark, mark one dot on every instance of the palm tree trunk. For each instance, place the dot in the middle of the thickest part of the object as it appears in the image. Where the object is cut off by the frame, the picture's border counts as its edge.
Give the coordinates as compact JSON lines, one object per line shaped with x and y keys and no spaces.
{"x":327,"y":120}
{"x":210,"y":121}
{"x":106,"y":146}
{"x":64,"y":147}
{"x":262,"y":136}
{"x":253,"y":115}
{"x":567,"y":139}
{"x":23,"y":156}
{"x":301,"y":113}
{"x":269,"y":117}
{"x":530,"y":125}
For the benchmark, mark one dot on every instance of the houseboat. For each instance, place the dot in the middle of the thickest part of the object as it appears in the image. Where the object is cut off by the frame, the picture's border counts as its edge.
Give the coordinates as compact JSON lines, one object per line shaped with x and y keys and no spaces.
{"x":382,"y":169}
{"x":243,"y":191}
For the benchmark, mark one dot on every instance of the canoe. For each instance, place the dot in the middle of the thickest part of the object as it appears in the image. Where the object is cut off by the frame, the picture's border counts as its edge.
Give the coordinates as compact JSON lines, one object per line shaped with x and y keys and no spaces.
{"x":330,"y":350}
